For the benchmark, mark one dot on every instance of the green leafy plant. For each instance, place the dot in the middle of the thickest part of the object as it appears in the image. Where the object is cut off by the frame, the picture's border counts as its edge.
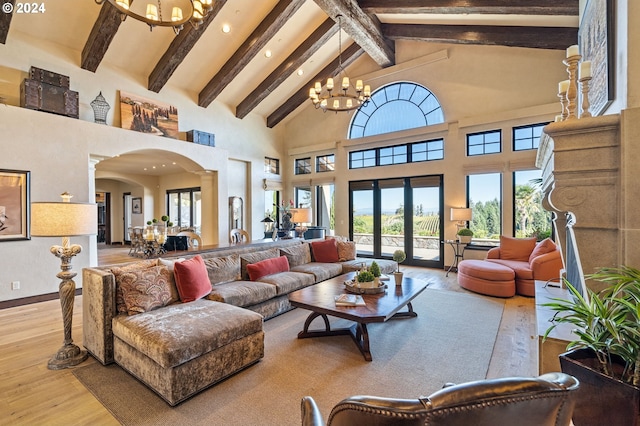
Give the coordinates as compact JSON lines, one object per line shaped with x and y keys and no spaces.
{"x":365,"y":276}
{"x":465,"y":232}
{"x":607,"y":322}
{"x":165,"y":218}
{"x":149,"y":222}
{"x":375,"y":269}
{"x":399,"y":256}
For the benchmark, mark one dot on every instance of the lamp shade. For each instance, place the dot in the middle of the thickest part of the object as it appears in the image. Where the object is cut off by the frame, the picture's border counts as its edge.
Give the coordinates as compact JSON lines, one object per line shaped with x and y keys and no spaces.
{"x":461,"y":214}
{"x":301,"y":215}
{"x":61,"y":219}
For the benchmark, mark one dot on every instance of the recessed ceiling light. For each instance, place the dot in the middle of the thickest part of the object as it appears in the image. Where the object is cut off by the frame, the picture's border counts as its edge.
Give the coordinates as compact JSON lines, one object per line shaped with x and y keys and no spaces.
{"x":145,"y":169}
{"x":154,"y":167}
{"x":300,"y":71}
{"x":226,"y":28}
{"x":267,"y":53}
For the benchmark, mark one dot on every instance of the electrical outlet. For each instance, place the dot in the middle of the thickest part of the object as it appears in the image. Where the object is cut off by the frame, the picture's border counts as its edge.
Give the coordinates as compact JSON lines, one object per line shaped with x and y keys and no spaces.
{"x":15,"y":285}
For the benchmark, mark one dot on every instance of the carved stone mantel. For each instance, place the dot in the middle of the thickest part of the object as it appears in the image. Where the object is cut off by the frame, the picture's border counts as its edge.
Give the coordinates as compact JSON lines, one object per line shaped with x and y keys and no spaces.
{"x":581,"y":163}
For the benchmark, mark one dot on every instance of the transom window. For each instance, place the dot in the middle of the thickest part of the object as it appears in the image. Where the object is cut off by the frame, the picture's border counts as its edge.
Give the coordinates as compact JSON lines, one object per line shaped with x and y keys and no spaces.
{"x":303,"y":166}
{"x":484,"y":143}
{"x":399,"y":154}
{"x":325,"y":163}
{"x":527,"y":137}
{"x":395,"y":107}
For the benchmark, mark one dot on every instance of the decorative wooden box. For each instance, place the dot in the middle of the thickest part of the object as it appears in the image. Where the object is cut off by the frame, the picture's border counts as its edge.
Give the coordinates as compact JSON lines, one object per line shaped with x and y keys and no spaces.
{"x":202,"y":138}
{"x":41,"y":96}
{"x":49,"y":77}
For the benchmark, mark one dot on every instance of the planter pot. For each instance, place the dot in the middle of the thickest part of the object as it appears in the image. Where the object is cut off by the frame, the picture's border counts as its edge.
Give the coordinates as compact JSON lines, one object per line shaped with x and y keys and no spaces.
{"x":600,"y":400}
{"x":398,"y":277}
{"x":465,"y":239}
{"x":367,"y":284}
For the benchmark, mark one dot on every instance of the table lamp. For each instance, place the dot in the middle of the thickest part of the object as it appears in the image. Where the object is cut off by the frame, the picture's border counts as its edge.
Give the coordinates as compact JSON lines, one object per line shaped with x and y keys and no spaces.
{"x":301,"y":216}
{"x":461,"y":215}
{"x":65,"y":219}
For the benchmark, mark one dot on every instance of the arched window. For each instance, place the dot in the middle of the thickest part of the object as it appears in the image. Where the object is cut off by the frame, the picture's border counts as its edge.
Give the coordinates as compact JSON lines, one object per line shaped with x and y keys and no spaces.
{"x":395,"y":107}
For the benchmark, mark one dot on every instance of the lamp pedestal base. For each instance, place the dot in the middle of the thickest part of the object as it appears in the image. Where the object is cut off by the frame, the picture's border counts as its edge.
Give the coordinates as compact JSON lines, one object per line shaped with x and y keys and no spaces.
{"x":68,"y":355}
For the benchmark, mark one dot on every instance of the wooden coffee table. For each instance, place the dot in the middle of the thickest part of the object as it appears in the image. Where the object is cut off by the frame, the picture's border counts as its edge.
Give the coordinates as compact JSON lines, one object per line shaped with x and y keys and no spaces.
{"x":320,"y":300}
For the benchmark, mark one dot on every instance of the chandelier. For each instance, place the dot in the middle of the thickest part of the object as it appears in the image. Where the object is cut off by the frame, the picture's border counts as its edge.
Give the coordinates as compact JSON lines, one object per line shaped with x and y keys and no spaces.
{"x":181,"y":11}
{"x":340,"y":99}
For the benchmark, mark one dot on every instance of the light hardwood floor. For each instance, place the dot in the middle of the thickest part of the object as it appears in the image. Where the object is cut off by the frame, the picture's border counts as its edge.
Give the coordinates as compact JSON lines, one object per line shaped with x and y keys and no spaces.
{"x":30,"y":394}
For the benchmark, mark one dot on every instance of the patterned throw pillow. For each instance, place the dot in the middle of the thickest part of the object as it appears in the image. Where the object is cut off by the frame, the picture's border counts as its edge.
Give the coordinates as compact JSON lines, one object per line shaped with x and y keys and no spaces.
{"x":144,"y":290}
{"x":346,"y":250}
{"x":117,"y":273}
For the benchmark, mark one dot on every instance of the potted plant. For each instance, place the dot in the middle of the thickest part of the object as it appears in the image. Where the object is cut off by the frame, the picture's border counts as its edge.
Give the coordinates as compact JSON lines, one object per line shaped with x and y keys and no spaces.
{"x":375,"y":270}
{"x":366,"y":279}
{"x":398,"y":256}
{"x":465,"y":235}
{"x":605,"y":357}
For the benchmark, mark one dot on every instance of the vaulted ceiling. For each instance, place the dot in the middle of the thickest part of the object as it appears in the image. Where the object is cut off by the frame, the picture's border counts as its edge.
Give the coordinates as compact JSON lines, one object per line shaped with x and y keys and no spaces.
{"x":301,"y":36}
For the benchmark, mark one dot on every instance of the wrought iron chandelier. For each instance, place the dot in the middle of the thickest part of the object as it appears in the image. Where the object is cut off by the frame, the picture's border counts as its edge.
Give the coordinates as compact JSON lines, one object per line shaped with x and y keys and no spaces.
{"x":340,"y":99}
{"x":182,"y":11}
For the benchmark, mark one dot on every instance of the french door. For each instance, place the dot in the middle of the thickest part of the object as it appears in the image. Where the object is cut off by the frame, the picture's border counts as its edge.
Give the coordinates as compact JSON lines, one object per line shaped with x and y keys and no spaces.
{"x":403,"y":213}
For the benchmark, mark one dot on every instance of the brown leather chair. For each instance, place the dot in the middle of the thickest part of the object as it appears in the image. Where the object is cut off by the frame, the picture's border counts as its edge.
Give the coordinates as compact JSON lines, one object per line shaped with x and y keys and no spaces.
{"x":539,"y":401}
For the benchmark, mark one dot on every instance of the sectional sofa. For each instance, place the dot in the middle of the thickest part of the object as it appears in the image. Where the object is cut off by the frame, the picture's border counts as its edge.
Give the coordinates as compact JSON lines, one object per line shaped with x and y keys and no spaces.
{"x":181,"y":325}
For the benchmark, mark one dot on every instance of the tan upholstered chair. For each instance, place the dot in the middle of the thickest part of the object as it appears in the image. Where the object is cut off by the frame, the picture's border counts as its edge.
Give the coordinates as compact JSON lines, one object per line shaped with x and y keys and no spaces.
{"x":239,"y":236}
{"x":542,"y":401}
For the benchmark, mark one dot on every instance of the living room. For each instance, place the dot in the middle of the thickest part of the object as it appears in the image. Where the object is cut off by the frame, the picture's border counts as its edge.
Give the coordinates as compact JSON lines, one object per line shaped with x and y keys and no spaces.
{"x":480,"y":88}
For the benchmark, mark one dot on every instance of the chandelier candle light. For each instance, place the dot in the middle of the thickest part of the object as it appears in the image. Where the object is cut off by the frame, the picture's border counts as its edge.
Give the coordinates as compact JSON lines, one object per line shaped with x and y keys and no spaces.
{"x":340,"y":99}
{"x":182,"y":11}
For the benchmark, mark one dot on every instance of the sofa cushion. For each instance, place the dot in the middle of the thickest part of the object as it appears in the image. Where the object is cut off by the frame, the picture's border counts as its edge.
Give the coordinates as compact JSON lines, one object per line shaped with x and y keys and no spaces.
{"x":242,"y":293}
{"x":161,"y":336}
{"x":516,"y":248}
{"x":286,"y":282}
{"x":254,"y":257}
{"x":144,"y":290}
{"x":192,"y":279}
{"x":543,"y":247}
{"x":325,"y":251}
{"x":320,"y":271}
{"x":267,"y":267}
{"x":486,"y":270}
{"x":297,"y":255}
{"x":223,"y":269}
{"x":117,"y":272}
{"x":520,"y":268}
{"x":346,"y":250}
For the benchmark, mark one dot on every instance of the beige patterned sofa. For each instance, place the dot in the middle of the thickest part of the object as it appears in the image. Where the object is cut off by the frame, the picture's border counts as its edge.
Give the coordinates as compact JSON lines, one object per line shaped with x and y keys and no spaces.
{"x":179,"y":349}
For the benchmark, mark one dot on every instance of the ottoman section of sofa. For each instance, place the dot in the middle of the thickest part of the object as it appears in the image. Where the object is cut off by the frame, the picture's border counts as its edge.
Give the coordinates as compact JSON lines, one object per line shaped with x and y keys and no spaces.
{"x":487,"y":278}
{"x":182,"y":349}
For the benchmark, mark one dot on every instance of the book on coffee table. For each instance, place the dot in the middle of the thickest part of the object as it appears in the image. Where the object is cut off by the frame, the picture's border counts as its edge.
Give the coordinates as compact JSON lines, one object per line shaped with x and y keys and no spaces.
{"x":349,"y":300}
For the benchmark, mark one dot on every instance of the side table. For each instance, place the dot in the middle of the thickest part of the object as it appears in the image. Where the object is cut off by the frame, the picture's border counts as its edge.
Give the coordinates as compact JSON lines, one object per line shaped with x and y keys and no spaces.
{"x":458,"y":253}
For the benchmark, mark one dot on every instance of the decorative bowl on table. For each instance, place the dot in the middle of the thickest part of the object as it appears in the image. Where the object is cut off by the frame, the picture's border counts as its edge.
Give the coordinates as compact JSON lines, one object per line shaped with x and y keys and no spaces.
{"x":359,"y":288}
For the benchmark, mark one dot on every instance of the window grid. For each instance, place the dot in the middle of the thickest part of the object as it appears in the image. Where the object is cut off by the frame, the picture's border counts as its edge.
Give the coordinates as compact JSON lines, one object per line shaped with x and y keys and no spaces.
{"x":484,"y":143}
{"x":303,"y":166}
{"x":398,"y":154}
{"x":527,"y":137}
{"x":271,"y":165}
{"x":325,"y":163}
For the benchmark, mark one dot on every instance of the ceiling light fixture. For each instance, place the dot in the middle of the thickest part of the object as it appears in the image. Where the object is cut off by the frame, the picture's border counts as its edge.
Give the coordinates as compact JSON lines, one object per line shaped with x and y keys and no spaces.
{"x":182,"y":11}
{"x":341,"y":99}
{"x":226,"y":28}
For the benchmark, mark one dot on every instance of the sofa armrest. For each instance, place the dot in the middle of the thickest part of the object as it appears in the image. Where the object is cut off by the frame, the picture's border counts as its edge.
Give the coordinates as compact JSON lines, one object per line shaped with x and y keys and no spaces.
{"x":311,"y":415}
{"x":493,"y":253}
{"x":98,"y":310}
{"x":546,"y":266}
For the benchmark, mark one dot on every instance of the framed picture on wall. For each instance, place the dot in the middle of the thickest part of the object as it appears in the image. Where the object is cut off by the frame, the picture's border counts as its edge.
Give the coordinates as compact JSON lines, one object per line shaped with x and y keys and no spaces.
{"x":136,"y":205}
{"x":14,"y":205}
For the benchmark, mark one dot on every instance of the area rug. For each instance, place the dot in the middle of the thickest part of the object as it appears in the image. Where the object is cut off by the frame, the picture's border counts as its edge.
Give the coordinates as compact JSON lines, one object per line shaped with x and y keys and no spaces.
{"x":451,"y":340}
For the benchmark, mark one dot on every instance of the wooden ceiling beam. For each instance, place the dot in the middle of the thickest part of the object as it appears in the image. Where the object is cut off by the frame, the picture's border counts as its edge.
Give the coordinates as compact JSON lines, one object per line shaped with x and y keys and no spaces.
{"x":362,"y":28}
{"x":534,"y":37}
{"x":350,"y":54}
{"x":515,"y":7}
{"x":5,"y":22}
{"x":101,"y":36}
{"x":274,"y":21}
{"x":319,"y":37}
{"x":179,"y":48}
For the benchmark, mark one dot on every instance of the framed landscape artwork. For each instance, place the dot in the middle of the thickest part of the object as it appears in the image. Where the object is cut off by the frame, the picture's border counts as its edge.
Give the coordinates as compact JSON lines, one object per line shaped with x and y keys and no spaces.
{"x":596,"y":39}
{"x":148,"y":116}
{"x":14,"y":205}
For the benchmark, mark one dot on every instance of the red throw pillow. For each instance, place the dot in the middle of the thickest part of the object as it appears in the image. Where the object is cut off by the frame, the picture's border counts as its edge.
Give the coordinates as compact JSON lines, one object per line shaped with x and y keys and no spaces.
{"x":192,"y":279}
{"x":325,"y":251}
{"x":543,"y":247}
{"x":267,"y":267}
{"x":516,"y":248}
